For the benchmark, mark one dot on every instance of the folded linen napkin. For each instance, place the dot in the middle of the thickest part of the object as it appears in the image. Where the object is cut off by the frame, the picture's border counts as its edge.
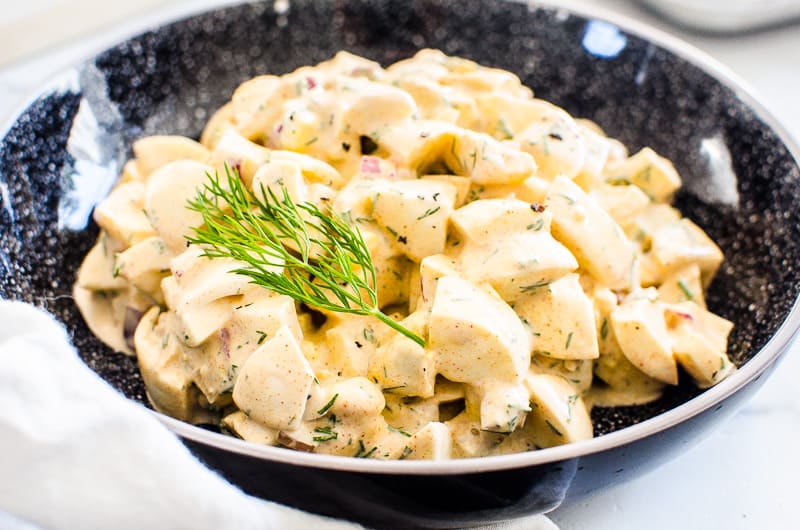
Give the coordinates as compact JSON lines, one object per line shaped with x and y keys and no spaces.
{"x":74,"y":453}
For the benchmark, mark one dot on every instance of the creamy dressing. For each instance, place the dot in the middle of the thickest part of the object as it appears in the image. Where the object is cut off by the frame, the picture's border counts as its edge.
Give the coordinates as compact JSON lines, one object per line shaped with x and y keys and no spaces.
{"x":104,"y":321}
{"x":606,"y":396}
{"x":540,"y":263}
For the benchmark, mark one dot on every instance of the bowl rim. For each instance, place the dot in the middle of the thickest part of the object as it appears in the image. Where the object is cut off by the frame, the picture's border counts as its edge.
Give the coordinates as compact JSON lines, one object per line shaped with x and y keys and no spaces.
{"x":66,"y":80}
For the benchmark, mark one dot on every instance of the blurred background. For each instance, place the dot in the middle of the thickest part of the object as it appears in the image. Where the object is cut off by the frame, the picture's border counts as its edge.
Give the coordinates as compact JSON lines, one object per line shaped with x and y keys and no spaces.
{"x":759,"y":40}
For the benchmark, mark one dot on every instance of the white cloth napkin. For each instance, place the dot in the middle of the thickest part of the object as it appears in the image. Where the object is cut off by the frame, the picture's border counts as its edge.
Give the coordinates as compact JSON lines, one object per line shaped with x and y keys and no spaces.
{"x":75,"y":454}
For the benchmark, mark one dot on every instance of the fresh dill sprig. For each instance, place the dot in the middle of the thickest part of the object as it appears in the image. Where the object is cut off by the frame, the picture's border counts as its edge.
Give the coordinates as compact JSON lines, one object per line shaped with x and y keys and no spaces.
{"x":313,"y":256}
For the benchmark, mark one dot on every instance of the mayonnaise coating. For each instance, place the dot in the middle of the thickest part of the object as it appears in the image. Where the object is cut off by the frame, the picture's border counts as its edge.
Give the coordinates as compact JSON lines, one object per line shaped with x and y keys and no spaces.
{"x":541,"y":263}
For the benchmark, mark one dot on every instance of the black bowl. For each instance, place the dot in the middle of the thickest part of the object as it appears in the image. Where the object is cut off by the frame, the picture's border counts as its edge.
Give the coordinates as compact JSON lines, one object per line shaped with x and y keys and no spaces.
{"x":62,"y":153}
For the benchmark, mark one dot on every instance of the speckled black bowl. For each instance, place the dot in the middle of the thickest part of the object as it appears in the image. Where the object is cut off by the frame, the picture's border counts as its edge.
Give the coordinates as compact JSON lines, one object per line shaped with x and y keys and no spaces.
{"x":61,"y":154}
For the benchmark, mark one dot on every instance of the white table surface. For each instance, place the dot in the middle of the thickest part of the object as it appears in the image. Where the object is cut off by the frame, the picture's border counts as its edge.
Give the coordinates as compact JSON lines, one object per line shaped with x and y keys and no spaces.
{"x":741,"y":477}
